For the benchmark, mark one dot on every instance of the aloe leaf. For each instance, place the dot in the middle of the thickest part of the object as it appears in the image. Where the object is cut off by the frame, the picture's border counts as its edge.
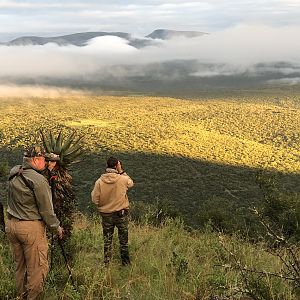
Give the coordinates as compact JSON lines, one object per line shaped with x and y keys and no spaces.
{"x":57,"y":148}
{"x":52,"y":141}
{"x":68,"y":142}
{"x":72,"y":159}
{"x":74,"y":155}
{"x":72,"y":150}
{"x":76,"y":145}
{"x":45,"y":142}
{"x":78,"y":141}
{"x":61,"y":156}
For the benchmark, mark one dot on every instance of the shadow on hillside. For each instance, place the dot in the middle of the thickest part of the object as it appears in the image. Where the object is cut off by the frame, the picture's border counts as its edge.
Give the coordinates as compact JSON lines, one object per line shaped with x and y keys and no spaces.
{"x":188,"y":185}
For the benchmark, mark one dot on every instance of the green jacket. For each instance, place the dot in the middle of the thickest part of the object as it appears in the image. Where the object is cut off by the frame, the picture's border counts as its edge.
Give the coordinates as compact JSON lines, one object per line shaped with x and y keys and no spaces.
{"x":21,"y":201}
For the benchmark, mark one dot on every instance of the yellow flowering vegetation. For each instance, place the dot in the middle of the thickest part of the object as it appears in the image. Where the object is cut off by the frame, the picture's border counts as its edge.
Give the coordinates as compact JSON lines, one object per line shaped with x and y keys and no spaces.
{"x":228,"y":131}
{"x":183,"y":152}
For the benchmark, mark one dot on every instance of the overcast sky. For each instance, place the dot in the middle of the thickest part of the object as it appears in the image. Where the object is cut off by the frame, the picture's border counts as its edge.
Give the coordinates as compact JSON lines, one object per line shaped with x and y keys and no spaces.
{"x":140,"y":17}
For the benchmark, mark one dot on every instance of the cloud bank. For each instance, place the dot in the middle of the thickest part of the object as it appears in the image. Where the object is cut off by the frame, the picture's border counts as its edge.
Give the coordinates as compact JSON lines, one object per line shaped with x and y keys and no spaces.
{"x":12,"y":90}
{"x":256,"y":52}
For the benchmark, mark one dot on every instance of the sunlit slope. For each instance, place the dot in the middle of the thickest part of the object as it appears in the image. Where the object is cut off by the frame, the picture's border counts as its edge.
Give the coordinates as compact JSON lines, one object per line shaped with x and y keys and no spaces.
{"x":225,"y":131}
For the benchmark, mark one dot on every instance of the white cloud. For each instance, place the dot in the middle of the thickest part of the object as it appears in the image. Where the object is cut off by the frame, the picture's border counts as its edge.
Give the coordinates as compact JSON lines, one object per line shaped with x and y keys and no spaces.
{"x":12,"y":90}
{"x":10,"y":4}
{"x":231,"y":52}
{"x":53,"y":61}
{"x":285,"y":81}
{"x":103,"y":14}
{"x":242,"y":45}
{"x":289,"y":3}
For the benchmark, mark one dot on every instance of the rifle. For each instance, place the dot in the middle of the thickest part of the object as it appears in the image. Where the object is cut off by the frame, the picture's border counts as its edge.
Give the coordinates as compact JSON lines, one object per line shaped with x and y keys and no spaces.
{"x":66,"y":262}
{"x":2,"y":221}
{"x":52,"y":184}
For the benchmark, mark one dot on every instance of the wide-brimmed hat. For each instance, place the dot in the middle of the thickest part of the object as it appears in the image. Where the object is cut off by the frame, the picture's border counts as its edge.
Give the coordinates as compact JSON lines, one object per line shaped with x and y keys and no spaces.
{"x":52,"y":157}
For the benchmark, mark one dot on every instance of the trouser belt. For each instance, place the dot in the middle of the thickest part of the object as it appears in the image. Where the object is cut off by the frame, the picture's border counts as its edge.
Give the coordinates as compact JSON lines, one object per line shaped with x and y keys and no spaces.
{"x":11,"y":217}
{"x":119,"y":213}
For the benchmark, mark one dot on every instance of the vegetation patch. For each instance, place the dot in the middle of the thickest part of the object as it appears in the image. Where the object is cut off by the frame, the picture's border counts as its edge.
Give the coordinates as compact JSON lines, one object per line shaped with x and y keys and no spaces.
{"x":167,"y":263}
{"x":89,"y":122}
{"x":188,"y":154}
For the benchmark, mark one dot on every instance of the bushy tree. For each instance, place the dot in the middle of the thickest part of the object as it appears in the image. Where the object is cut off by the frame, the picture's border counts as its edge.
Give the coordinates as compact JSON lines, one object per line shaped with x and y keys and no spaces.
{"x":279,"y":216}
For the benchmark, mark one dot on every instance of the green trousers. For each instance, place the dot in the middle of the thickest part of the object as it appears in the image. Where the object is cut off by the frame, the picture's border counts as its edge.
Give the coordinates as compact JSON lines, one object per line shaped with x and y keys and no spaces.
{"x":109,"y":222}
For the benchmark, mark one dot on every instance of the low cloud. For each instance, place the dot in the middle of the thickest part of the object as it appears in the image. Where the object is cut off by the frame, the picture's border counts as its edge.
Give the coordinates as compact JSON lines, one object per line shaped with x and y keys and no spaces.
{"x":285,"y":81}
{"x":12,"y":90}
{"x":269,"y":54}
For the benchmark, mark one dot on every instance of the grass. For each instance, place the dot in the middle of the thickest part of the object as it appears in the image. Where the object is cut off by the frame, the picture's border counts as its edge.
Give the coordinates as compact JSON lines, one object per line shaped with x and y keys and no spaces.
{"x":167,"y":263}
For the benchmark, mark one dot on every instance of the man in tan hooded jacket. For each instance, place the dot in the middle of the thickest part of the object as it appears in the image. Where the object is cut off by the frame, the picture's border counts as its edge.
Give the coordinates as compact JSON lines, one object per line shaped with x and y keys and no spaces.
{"x":110,"y":196}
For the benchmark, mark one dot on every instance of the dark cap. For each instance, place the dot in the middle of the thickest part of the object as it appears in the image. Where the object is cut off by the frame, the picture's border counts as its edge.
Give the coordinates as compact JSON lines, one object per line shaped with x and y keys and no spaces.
{"x":52,"y":157}
{"x":34,"y":151}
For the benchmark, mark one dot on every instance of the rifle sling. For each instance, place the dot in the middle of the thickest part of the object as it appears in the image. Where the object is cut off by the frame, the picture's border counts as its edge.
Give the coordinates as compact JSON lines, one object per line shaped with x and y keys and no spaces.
{"x":20,"y":173}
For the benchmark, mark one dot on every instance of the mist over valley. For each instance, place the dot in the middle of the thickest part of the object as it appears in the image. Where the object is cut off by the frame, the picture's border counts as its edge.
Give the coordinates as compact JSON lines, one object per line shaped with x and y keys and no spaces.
{"x":163,"y":62}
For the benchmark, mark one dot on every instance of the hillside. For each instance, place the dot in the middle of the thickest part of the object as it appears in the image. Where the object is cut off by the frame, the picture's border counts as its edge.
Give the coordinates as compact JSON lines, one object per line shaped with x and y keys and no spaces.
{"x":167,"y":263}
{"x":189,"y":155}
{"x":196,"y":161}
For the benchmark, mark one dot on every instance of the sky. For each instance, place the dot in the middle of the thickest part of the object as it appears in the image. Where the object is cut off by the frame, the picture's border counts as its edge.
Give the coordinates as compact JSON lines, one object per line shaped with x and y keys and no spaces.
{"x":257,"y":37}
{"x":48,"y":18}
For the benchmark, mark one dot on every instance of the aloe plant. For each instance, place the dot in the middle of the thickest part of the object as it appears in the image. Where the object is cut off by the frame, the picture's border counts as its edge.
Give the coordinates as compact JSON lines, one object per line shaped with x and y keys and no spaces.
{"x":69,"y":149}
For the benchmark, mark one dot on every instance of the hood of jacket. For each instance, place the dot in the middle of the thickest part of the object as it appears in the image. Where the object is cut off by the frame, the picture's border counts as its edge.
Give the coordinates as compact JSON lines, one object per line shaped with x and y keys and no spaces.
{"x":111,"y":176}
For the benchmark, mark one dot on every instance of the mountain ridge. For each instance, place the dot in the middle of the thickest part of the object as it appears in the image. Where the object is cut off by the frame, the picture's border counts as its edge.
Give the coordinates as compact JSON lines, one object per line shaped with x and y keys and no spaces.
{"x":166,"y":34}
{"x":81,"y":38}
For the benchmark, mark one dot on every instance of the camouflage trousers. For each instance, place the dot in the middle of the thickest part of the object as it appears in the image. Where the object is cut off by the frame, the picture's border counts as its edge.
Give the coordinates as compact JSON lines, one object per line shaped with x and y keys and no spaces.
{"x":109,"y":222}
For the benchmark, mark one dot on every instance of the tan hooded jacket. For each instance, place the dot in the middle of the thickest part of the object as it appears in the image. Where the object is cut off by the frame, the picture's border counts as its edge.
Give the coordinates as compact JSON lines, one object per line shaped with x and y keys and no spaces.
{"x":110,"y":191}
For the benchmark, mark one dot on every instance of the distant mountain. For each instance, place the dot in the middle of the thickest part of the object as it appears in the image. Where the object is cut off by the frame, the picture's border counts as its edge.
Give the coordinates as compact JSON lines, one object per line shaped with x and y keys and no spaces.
{"x":81,"y":39}
{"x":77,"y":39}
{"x":165,"y":34}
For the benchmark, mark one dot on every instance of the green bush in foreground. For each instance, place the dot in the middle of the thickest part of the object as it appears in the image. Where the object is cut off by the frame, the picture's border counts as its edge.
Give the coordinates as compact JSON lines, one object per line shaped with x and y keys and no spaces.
{"x":167,"y":263}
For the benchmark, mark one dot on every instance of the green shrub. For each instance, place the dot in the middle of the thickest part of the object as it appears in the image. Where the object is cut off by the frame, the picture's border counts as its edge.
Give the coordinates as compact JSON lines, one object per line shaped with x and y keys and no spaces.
{"x":3,"y":170}
{"x":280,"y":209}
{"x":155,"y":213}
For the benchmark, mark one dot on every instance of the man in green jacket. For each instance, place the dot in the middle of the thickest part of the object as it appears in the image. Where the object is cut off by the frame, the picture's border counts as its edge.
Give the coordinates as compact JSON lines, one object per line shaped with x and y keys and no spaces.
{"x":29,"y":210}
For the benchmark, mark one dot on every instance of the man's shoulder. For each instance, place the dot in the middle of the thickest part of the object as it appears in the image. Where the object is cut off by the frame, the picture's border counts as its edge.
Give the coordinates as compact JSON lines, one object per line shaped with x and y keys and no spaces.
{"x":100,"y":178}
{"x":126,"y":178}
{"x":14,"y":170}
{"x":35,"y":176}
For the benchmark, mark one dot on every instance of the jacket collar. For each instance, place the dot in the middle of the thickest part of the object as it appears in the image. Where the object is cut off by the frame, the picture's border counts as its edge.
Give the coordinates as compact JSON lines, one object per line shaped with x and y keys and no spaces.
{"x":26,"y":165}
{"x":110,"y":170}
